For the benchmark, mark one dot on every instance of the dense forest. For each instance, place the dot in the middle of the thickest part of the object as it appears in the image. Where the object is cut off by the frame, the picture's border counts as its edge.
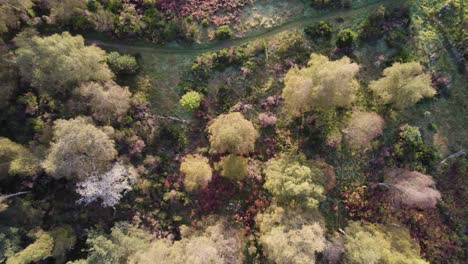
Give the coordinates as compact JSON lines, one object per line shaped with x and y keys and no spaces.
{"x":233,"y":131}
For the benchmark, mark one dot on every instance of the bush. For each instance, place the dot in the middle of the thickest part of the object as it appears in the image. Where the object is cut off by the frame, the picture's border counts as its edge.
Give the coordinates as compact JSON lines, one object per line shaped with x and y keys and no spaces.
{"x":122,"y":64}
{"x":223,"y":32}
{"x":346,"y":38}
{"x":320,"y":29}
{"x":191,"y":100}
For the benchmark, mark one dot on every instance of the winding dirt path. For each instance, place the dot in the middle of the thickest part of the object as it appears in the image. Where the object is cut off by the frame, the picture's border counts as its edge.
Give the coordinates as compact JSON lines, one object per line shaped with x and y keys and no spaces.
{"x":213,"y":46}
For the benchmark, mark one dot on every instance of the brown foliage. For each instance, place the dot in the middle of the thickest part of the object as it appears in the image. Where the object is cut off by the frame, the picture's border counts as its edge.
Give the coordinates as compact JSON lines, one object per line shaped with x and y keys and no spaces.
{"x":411,"y":188}
{"x":363,"y":128}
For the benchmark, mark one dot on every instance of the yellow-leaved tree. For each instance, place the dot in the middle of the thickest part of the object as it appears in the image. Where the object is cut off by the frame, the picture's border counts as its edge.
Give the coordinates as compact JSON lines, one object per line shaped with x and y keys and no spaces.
{"x":376,"y":243}
{"x":197,"y":172}
{"x":57,"y":63}
{"x":232,"y":133}
{"x":323,"y":84}
{"x":403,"y":85}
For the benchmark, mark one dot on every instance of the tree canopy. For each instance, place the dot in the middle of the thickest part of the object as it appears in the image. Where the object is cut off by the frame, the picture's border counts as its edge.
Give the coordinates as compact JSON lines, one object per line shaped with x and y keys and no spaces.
{"x":78,"y":150}
{"x":197,"y":172}
{"x":16,"y":160}
{"x":376,"y":243}
{"x":403,"y":85}
{"x":323,"y":84}
{"x":232,"y":133}
{"x":217,"y":243}
{"x":234,"y":167}
{"x":294,"y":246}
{"x":40,"y":248}
{"x":293,"y":180}
{"x":58,"y":63}
{"x":108,"y":101}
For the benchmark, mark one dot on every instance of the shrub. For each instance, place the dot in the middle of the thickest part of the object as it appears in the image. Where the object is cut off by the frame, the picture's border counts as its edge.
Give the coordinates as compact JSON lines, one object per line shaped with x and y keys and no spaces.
{"x":191,"y":100}
{"x":320,"y":29}
{"x":372,"y":28}
{"x":223,"y":32}
{"x":122,"y":64}
{"x":346,"y":38}
{"x":411,"y":149}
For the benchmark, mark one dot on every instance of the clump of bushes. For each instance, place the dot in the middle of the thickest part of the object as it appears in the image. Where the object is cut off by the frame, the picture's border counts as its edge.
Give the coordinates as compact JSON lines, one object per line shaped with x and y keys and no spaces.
{"x":320,"y":30}
{"x":223,"y":32}
{"x":191,"y":100}
{"x":346,"y":38}
{"x":122,"y":64}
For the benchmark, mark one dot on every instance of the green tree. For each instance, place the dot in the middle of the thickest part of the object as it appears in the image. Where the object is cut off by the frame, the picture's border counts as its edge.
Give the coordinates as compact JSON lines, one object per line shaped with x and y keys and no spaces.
{"x":197,"y":171}
{"x":234,"y":167}
{"x":403,"y":85}
{"x":79,"y":150}
{"x":122,"y":64}
{"x":16,"y":160}
{"x":191,"y":100}
{"x":376,"y":243}
{"x":108,"y":101}
{"x":294,"y":181}
{"x":40,"y":248}
{"x":321,"y":85}
{"x":232,"y":133}
{"x":63,"y":11}
{"x":10,"y":241}
{"x":117,"y":247}
{"x":58,"y":63}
